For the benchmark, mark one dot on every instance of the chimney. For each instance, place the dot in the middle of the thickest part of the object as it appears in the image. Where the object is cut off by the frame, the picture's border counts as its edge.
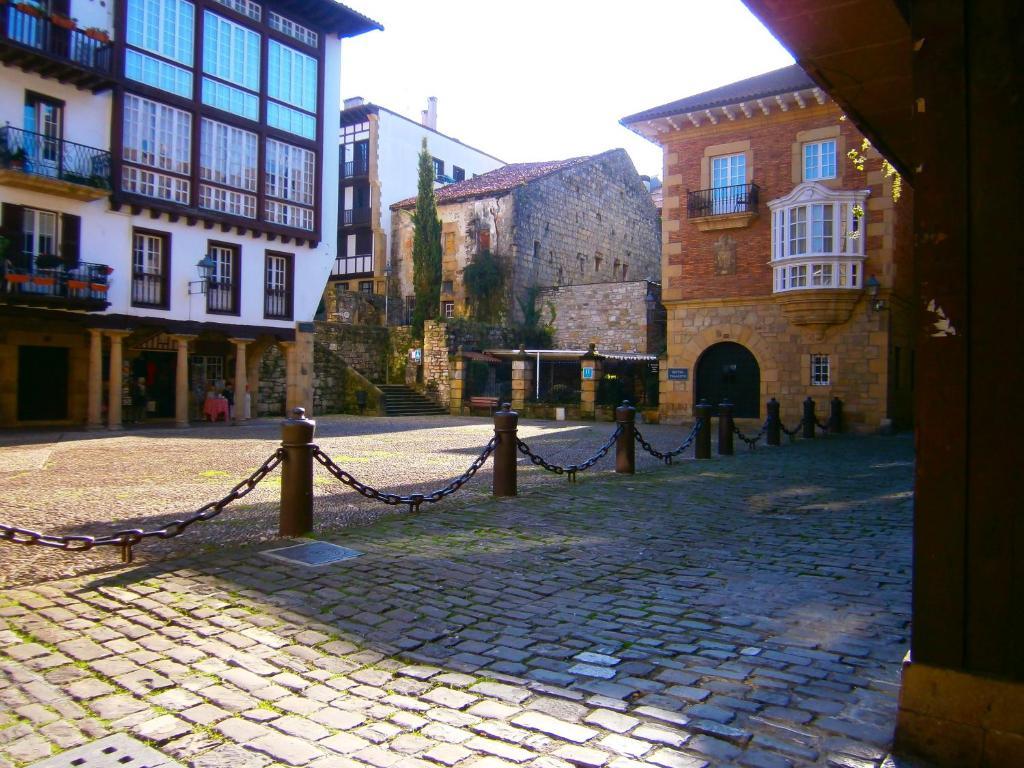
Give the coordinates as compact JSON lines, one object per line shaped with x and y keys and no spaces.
{"x":428,"y":117}
{"x":355,"y":101}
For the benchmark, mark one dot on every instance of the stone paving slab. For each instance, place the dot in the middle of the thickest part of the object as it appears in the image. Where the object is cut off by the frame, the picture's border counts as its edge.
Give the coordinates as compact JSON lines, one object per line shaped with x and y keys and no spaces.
{"x":753,"y":611}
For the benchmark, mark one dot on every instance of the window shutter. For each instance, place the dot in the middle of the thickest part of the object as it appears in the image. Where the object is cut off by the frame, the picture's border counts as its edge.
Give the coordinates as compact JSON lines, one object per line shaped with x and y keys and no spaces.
{"x":11,"y":227}
{"x":60,"y":6}
{"x":70,"y":234}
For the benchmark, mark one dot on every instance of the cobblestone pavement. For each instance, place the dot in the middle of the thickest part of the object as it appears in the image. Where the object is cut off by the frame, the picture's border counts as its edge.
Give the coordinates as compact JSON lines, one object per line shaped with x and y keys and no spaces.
{"x":83,"y":482}
{"x":750,"y":610}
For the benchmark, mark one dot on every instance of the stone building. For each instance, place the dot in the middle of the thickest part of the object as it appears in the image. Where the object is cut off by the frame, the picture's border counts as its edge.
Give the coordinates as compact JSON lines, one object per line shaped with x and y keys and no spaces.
{"x":619,"y":317}
{"x":168,"y":204}
{"x":584,"y":220}
{"x":786,"y":270}
{"x":379,"y":155}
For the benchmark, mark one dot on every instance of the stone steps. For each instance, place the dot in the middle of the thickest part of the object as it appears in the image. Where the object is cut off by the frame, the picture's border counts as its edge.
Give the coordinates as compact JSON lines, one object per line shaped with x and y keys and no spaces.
{"x":400,"y":400}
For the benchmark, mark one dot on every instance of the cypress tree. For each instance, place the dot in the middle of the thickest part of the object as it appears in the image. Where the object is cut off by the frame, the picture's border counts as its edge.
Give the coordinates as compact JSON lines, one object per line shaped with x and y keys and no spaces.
{"x":426,"y":246}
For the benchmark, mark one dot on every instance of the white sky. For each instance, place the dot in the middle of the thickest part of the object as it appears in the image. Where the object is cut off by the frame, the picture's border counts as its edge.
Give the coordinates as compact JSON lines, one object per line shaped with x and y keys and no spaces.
{"x":530,"y":80}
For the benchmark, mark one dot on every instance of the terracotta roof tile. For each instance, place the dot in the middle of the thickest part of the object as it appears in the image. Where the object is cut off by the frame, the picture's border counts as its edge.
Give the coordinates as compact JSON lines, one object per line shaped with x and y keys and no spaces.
{"x":785,"y":80}
{"x":496,"y":182}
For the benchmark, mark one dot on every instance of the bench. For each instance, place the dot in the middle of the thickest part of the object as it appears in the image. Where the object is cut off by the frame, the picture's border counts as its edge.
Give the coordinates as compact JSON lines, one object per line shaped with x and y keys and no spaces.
{"x":491,"y":403}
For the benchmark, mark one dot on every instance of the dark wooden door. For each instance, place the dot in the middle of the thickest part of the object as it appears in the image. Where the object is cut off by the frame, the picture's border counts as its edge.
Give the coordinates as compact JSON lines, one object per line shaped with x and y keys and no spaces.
{"x":42,"y":383}
{"x":728,"y":371}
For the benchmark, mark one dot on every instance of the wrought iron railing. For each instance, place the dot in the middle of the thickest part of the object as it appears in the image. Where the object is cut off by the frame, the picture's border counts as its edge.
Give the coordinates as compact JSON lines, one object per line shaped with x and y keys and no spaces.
{"x":41,"y":155}
{"x":80,"y":281}
{"x":220,"y":297}
{"x":148,"y":289}
{"x":719,"y":201}
{"x":275,"y":303}
{"x":355,"y":216}
{"x":37,"y":30}
{"x":354,"y":168}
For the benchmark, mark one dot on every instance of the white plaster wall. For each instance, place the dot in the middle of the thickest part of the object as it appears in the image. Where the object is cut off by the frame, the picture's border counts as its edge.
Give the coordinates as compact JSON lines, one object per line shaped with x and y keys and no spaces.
{"x":86,"y":115}
{"x":400,"y":141}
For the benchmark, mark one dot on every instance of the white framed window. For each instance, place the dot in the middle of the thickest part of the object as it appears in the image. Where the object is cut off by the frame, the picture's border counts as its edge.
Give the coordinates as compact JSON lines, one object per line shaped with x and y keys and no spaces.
{"x":152,"y":184}
{"x":149,"y":265}
{"x":822,"y":227}
{"x":449,"y":309}
{"x":39,"y":232}
{"x":227,"y":155}
{"x":288,"y":215}
{"x":157,"y":135}
{"x":292,"y":76}
{"x":163,"y":27}
{"x":231,"y":52}
{"x":157,"y":73}
{"x":292,"y":29}
{"x":221,"y":288}
{"x":291,"y":120}
{"x":820,"y":160}
{"x":230,"y":99}
{"x":276,"y":293}
{"x":728,"y":180}
{"x":821,"y":371}
{"x":290,"y":172}
{"x":245,"y":7}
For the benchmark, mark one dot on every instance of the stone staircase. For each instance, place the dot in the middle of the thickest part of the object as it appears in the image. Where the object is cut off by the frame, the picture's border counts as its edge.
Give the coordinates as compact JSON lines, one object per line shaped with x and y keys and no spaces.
{"x":400,"y":400}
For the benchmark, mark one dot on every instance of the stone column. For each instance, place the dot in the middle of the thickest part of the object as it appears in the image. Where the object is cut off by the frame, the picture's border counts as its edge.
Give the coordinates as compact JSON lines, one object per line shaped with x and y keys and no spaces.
{"x":181,"y":389}
{"x":116,"y":379}
{"x":241,"y":378}
{"x":300,"y":394}
{"x":95,"y":381}
{"x":457,"y":382}
{"x":522,"y":380}
{"x":588,"y":384}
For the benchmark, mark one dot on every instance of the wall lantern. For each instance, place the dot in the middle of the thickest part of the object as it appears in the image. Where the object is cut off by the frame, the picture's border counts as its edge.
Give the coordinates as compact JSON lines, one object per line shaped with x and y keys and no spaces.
{"x":205,"y":266}
{"x":872,"y":284}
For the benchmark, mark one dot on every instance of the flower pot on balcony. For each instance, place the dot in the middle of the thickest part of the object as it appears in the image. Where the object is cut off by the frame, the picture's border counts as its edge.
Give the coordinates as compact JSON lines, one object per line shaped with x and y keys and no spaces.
{"x":17,"y":278}
{"x":62,"y":21}
{"x":77,"y":285}
{"x":30,"y":10}
{"x":98,"y":287}
{"x":42,"y":280}
{"x":97,"y":34}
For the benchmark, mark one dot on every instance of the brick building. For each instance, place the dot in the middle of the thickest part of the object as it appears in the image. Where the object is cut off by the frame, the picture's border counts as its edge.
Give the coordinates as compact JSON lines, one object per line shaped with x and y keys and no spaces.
{"x":786,"y":270}
{"x":568,"y":222}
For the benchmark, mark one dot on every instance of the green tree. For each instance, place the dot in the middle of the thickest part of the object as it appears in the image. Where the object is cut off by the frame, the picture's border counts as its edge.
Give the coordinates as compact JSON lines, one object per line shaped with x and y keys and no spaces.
{"x":426,"y":246}
{"x":483,"y":279}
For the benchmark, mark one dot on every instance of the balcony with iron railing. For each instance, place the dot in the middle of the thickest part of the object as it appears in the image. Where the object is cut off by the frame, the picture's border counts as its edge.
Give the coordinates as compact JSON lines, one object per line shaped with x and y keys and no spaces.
{"x":354,"y":169}
{"x":723,"y":207}
{"x":276,"y":304}
{"x":42,"y":163}
{"x":46,"y":282}
{"x":355,"y":217}
{"x":51,"y":45}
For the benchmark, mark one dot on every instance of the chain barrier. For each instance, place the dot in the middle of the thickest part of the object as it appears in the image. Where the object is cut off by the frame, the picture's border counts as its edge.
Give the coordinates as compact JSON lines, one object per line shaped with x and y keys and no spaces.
{"x":668,"y":455}
{"x":750,"y":441}
{"x":127,"y":539}
{"x":413,"y":499}
{"x":820,"y":425}
{"x":571,"y":469}
{"x":792,"y":433}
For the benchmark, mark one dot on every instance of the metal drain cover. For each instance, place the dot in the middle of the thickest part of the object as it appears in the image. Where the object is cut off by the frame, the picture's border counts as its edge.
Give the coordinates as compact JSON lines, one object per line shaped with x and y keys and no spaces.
{"x":117,"y":751}
{"x":312,"y":554}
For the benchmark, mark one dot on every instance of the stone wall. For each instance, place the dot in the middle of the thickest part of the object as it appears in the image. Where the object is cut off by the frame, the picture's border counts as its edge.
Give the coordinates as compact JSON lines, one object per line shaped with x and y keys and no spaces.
{"x":356,"y":307}
{"x":272,"y":379}
{"x":616,"y":317}
{"x":366,"y":348}
{"x":592,"y":223}
{"x":436,"y":371}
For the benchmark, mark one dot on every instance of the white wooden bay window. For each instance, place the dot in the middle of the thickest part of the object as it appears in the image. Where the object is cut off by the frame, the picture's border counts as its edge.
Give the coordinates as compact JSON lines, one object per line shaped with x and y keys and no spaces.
{"x":817,"y":239}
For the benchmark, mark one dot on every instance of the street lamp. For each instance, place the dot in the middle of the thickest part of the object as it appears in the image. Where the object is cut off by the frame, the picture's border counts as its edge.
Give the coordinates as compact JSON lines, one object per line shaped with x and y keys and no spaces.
{"x":872,"y":284}
{"x":205,"y":266}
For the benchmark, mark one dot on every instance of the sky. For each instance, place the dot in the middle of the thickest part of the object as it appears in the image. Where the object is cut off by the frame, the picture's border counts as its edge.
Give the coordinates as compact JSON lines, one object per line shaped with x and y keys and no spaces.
{"x":540,"y":80}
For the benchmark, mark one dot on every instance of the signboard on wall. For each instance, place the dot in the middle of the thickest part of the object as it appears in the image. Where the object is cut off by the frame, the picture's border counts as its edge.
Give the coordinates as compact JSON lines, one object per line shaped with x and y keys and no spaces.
{"x":678,"y":374}
{"x":588,"y":372}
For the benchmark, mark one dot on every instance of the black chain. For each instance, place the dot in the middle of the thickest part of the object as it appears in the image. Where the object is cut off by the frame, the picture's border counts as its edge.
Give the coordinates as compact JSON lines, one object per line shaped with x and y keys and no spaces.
{"x":571,"y":469}
{"x":667,"y":455}
{"x":822,"y":426}
{"x":791,"y":432}
{"x":413,"y":499}
{"x":750,"y":441}
{"x":129,"y":538}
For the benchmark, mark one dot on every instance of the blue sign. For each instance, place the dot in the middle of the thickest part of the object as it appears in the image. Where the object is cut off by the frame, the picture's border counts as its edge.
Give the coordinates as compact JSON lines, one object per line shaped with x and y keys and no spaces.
{"x":588,"y":373}
{"x":678,"y":374}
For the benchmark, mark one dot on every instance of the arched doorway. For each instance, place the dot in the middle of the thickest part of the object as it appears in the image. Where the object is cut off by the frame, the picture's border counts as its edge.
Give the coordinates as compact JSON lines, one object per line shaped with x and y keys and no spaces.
{"x":728,"y":371}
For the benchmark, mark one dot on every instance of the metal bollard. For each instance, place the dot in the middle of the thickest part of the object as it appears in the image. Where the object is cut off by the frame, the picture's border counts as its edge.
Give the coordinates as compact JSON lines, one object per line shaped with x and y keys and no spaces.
{"x":810,"y":421}
{"x":625,"y":443}
{"x":835,"y":416}
{"x":702,"y":446}
{"x":505,"y":423}
{"x":773,"y":433}
{"x":297,"y":474}
{"x":725,"y":429}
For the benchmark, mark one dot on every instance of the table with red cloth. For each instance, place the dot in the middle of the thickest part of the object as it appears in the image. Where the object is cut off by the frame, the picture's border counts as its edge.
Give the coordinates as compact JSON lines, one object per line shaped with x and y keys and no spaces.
{"x":216,"y":409}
